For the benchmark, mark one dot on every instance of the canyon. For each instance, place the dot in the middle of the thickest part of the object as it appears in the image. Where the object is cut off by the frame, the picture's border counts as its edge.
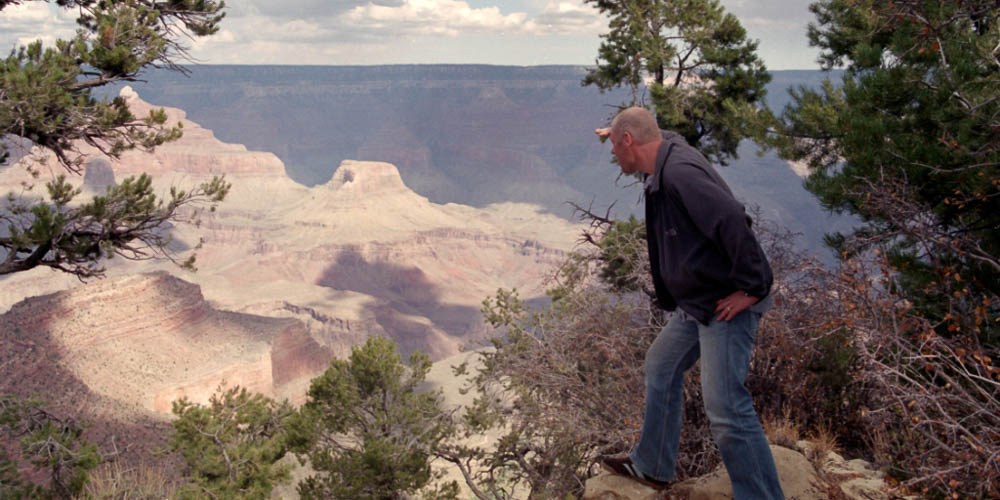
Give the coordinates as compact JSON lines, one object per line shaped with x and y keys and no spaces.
{"x":469,"y":134}
{"x":289,"y":277}
{"x":366,"y":201}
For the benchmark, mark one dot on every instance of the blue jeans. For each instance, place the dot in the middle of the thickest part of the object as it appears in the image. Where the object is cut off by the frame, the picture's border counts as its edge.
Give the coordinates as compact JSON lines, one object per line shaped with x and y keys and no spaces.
{"x":724,"y":349}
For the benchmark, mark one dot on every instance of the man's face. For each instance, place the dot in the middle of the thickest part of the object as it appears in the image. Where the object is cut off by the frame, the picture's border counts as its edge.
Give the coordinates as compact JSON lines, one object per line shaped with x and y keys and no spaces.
{"x":621,"y":147}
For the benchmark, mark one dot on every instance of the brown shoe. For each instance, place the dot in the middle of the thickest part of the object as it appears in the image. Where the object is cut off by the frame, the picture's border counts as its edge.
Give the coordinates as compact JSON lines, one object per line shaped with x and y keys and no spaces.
{"x":623,"y":466}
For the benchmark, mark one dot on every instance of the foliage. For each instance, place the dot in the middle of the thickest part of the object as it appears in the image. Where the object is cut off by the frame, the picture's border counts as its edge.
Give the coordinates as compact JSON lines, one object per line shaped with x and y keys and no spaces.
{"x":369,"y":430}
{"x":46,"y":98}
{"x":619,"y":253}
{"x":561,"y":385}
{"x":565,"y":384}
{"x":126,"y":221}
{"x":909,"y":142}
{"x":230,"y":447}
{"x":705,"y":74}
{"x":842,"y":349}
{"x":931,"y":412}
{"x":52,"y":446}
{"x":12,"y":485}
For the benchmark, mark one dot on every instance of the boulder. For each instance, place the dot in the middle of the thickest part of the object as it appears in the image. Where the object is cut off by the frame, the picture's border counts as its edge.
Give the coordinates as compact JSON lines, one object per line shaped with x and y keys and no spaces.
{"x":607,"y":486}
{"x":799,"y":480}
{"x":798,"y":477}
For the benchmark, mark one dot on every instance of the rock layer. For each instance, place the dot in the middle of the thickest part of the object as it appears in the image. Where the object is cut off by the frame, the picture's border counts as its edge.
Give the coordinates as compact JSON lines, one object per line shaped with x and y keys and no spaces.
{"x":198,"y":152}
{"x":148,"y":339}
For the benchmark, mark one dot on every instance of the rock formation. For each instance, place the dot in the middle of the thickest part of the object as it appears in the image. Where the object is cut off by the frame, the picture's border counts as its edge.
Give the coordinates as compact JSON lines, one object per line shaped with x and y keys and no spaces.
{"x":117,"y":353}
{"x":199,"y":152}
{"x":431,"y":120}
{"x":800,"y":479}
{"x":289,"y":276}
{"x":357,"y":256}
{"x":413,"y":270}
{"x":145,"y":340}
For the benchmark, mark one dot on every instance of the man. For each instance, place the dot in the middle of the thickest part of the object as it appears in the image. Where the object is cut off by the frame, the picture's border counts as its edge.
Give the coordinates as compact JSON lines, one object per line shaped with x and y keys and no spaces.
{"x":708,"y":267}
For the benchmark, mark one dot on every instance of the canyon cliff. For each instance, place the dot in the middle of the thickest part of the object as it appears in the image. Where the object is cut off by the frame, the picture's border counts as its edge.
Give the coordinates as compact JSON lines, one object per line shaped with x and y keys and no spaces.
{"x":289,"y":277}
{"x":142,"y":341}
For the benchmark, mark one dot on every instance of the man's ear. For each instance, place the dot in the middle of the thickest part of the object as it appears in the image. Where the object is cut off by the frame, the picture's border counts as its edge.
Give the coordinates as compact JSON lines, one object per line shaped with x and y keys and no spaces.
{"x":626,"y":138}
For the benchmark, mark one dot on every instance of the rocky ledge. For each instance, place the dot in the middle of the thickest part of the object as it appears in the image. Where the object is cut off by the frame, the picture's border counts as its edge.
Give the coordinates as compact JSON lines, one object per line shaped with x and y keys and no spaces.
{"x":832,"y":477}
{"x":146,"y":340}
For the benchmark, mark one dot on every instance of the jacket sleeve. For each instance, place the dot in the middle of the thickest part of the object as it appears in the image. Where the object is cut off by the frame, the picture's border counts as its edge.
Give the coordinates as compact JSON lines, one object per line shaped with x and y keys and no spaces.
{"x":723,"y":220}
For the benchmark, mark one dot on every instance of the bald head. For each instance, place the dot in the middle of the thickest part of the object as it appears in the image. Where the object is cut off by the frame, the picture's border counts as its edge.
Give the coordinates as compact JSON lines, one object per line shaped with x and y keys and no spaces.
{"x":638,"y":122}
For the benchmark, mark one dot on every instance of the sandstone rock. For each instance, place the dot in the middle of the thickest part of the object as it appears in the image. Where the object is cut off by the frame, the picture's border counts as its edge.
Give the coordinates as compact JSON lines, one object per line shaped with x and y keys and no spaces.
{"x":198,"y":152}
{"x":117,"y":352}
{"x":856,"y":478}
{"x":607,"y":486}
{"x":362,"y":181}
{"x":16,"y":148}
{"x":146,"y":340}
{"x":799,"y":480}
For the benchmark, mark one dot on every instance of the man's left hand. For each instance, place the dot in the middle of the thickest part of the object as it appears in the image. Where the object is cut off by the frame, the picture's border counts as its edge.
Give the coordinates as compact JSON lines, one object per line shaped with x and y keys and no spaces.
{"x":728,"y":307}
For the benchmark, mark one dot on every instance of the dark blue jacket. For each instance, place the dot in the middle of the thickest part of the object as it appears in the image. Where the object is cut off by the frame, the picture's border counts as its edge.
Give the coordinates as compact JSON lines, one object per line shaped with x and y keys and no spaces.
{"x":701,"y":245}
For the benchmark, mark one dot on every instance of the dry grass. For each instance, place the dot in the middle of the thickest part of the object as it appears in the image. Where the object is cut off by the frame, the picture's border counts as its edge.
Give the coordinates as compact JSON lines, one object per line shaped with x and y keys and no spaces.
{"x":822,"y":441}
{"x":117,"y":481}
{"x":782,"y":431}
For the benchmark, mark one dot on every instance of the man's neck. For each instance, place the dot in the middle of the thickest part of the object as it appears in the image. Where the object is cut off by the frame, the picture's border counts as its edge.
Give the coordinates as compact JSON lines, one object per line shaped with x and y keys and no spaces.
{"x":646,"y":154}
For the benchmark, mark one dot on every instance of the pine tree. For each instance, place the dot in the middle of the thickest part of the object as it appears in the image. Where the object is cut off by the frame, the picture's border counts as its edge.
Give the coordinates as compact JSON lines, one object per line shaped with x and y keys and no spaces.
{"x":51,"y":445}
{"x":231,"y":447}
{"x":909,"y":142}
{"x":47,"y":99}
{"x":368,"y":431}
{"x":702,"y":72}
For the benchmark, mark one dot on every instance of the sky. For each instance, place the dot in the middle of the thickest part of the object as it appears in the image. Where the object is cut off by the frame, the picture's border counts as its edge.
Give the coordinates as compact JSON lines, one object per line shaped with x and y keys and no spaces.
{"x":347,"y":32}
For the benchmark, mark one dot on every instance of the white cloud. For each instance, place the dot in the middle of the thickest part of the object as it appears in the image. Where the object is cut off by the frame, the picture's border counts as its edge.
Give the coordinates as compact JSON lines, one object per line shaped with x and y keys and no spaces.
{"x":31,"y":12}
{"x":385,"y":30}
{"x":772,"y":23}
{"x":433,"y":17}
{"x":396,"y":31}
{"x":785,"y":10}
{"x":457,"y":17}
{"x":568,"y":17}
{"x":25,"y":23}
{"x":222,"y":36}
{"x":297,"y":9}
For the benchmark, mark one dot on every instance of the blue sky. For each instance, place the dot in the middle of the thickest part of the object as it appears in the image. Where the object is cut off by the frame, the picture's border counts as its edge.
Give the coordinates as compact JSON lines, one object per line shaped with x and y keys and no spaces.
{"x":515,"y":32}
